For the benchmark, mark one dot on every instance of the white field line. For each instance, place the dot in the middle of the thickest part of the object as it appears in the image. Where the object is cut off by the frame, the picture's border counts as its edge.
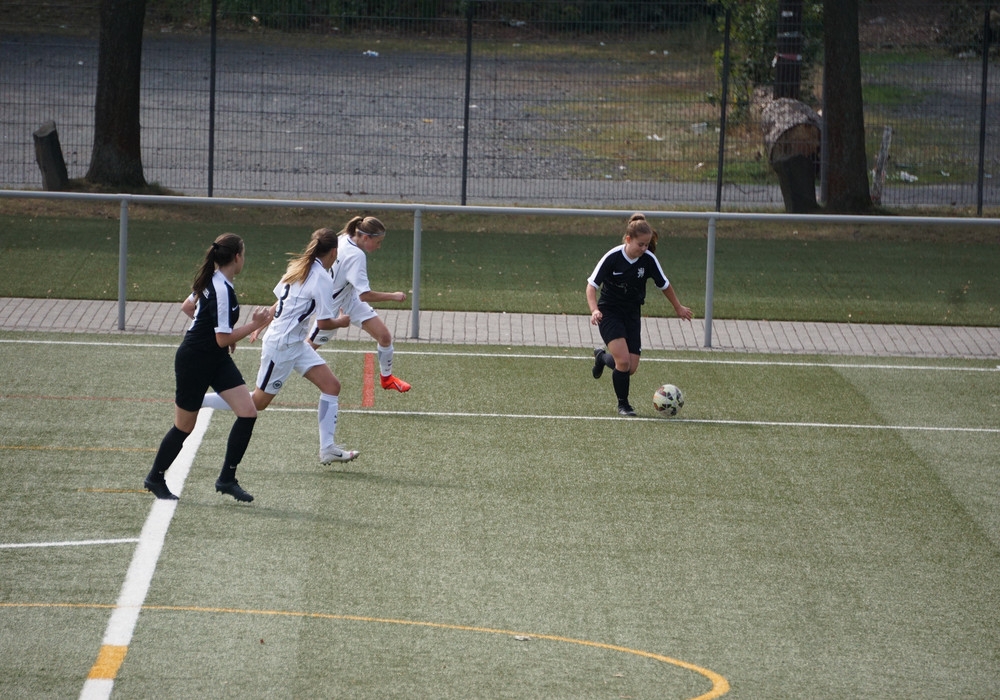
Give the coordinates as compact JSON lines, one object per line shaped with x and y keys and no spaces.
{"x":700,"y":421}
{"x":542,"y":356}
{"x":132,"y":596}
{"x":71,"y":543}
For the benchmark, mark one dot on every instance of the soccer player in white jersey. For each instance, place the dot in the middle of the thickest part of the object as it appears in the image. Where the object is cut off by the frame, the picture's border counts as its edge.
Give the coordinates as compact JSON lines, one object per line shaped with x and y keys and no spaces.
{"x":621,"y":276}
{"x":304,"y":293}
{"x":353,"y":295}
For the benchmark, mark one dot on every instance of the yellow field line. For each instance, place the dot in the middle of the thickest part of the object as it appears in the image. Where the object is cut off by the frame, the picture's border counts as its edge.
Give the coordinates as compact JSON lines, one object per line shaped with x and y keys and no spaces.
{"x":111,"y":656}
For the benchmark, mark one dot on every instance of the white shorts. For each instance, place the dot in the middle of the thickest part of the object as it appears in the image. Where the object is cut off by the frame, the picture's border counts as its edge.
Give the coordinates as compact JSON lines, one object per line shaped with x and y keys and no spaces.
{"x":277,"y":365}
{"x":359,"y":311}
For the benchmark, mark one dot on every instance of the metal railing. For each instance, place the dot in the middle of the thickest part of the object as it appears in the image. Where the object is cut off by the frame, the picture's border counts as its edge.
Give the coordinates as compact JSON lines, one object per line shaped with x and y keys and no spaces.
{"x":711,"y":218}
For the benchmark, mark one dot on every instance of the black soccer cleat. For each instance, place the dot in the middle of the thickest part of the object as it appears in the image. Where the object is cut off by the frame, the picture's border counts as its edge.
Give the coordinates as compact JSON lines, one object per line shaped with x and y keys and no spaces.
{"x":234,"y":489}
{"x":598,"y":363}
{"x":159,"y":489}
{"x":626,"y":410}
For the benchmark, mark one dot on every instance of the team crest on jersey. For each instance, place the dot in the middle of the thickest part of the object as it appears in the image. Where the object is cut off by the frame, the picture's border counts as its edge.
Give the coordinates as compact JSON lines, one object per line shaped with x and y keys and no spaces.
{"x":642,"y":271}
{"x":278,"y":385}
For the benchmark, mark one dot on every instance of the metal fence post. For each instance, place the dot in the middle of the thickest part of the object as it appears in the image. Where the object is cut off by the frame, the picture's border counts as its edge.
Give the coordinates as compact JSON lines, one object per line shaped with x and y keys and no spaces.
{"x":468,"y":92}
{"x":122,"y":261}
{"x":982,"y":112}
{"x":709,"y":282}
{"x":722,"y":115}
{"x":415,"y":295}
{"x":213,"y":40}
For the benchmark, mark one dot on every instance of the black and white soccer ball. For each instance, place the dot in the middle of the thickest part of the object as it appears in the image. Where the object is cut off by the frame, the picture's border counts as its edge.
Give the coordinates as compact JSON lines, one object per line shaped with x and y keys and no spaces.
{"x":668,"y":399}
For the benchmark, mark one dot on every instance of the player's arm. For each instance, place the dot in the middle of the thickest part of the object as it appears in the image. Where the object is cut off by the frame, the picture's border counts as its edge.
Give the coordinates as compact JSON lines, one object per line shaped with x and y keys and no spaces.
{"x":681,"y":310}
{"x":328,"y":324}
{"x":256,"y":332}
{"x":189,"y":305}
{"x":595,"y":313}
{"x":260,"y":318}
{"x":373,"y":296}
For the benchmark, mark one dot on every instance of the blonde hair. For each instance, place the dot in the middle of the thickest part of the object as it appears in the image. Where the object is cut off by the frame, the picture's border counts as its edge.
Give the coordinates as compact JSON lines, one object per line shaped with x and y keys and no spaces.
{"x":638,"y":226}
{"x":365,"y":225}
{"x":322,"y":241}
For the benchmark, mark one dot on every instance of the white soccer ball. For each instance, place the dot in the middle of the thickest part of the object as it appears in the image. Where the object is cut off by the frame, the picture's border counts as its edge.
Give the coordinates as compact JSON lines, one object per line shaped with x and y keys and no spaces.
{"x":668,"y":399}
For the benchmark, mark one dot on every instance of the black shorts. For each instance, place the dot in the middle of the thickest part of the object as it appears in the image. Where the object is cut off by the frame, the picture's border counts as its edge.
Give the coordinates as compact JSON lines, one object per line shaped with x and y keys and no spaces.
{"x":196,"y":371}
{"x":614,"y":326}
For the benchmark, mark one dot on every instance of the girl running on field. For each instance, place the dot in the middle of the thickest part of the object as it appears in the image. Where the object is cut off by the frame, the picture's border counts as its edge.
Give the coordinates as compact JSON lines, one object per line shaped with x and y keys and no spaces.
{"x":621,"y":276}
{"x":353,"y":295}
{"x":203,"y":360}
{"x":304,"y":293}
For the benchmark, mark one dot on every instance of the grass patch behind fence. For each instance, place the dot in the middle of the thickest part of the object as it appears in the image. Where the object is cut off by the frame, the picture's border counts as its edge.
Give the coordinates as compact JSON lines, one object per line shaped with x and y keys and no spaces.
{"x":535,"y":264}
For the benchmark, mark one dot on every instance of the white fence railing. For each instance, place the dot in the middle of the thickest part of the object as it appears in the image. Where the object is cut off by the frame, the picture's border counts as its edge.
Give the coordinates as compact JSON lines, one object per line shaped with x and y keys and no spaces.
{"x":418,"y":209}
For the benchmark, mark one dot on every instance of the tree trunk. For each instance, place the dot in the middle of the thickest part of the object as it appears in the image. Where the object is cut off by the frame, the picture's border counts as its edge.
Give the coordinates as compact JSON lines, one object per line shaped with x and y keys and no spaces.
{"x":117,"y":157}
{"x":847,"y":166}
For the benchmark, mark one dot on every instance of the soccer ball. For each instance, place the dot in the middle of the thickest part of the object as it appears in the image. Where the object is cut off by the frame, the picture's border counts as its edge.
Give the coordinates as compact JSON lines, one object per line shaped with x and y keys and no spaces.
{"x":668,"y":399}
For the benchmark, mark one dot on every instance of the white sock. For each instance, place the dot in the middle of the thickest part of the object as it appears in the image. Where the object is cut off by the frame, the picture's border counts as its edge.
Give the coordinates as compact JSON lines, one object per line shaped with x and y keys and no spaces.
{"x":213,"y":400}
{"x":329,"y":406}
{"x":385,"y":360}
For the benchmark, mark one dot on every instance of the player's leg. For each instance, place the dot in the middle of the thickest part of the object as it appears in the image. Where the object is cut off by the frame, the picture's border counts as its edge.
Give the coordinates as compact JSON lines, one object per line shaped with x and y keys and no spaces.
{"x":377,"y":329}
{"x":602,"y":360}
{"x":170,"y":447}
{"x":620,"y":375}
{"x":192,"y":376}
{"x":230,"y":386}
{"x":328,"y":409}
{"x":633,"y":362}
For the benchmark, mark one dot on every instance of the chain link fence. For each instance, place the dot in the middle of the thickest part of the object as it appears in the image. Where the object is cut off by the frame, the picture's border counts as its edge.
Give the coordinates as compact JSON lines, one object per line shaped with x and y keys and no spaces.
{"x":612,"y":104}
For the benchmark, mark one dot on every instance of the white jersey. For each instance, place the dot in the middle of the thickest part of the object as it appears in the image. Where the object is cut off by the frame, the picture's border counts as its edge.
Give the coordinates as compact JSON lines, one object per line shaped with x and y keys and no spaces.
{"x":298,"y":302}
{"x":350,"y":272}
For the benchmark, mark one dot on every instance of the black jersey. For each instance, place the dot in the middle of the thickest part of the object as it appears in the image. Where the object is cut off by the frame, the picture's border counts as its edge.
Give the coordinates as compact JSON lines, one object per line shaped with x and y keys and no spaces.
{"x":622,"y":281}
{"x":218,"y":311}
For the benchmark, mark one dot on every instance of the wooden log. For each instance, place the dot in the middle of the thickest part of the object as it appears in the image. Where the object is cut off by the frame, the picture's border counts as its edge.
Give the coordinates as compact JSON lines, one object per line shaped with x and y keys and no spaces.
{"x":792,"y":133}
{"x":791,"y":128}
{"x":50,"y":159}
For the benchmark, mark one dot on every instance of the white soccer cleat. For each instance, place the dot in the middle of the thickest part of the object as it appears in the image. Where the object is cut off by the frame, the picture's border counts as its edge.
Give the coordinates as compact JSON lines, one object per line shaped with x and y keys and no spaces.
{"x":337,"y":454}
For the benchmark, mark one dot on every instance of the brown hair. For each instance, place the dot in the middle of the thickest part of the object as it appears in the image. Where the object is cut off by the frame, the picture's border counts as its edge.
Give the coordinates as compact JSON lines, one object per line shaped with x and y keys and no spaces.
{"x":638,"y":226}
{"x":223,"y":251}
{"x":366,"y":225}
{"x":322,"y":241}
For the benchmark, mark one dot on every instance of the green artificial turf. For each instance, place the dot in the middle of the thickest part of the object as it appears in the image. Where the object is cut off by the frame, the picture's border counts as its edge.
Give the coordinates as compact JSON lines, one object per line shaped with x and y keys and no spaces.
{"x":808,"y":527}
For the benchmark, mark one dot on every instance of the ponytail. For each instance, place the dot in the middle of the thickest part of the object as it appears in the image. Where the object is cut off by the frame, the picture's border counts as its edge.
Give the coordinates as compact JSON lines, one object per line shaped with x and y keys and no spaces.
{"x":223,"y":251}
{"x":321,"y":242}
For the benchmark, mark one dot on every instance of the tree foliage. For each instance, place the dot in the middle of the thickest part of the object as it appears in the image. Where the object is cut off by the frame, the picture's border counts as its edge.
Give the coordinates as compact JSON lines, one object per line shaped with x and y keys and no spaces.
{"x":753,"y":45}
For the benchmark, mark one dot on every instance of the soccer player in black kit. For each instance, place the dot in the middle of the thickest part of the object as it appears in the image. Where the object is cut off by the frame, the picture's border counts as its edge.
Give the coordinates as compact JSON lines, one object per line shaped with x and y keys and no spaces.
{"x":621,"y":276}
{"x":203,"y":360}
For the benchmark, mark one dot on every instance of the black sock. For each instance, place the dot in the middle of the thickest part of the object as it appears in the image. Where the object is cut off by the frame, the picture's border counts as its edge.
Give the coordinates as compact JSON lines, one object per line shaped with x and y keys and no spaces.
{"x":236,"y":447}
{"x":620,"y":380}
{"x":170,"y":447}
{"x":608,"y":359}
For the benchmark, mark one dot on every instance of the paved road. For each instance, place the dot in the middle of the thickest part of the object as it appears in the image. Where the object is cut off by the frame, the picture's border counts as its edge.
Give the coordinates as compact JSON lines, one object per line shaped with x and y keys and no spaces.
{"x":549,"y":330}
{"x":301,"y":122}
